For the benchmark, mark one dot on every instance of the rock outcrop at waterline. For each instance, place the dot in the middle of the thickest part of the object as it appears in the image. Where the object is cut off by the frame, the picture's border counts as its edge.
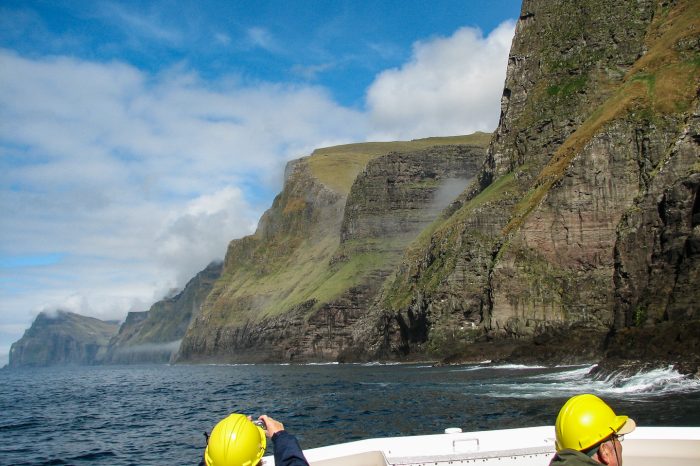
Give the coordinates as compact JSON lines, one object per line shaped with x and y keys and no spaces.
{"x":62,"y":339}
{"x":583,"y":225}
{"x":294,"y":289}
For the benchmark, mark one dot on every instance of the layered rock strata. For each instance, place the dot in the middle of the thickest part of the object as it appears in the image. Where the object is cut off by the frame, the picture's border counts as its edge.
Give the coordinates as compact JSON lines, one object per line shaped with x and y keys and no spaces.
{"x":294,"y":290}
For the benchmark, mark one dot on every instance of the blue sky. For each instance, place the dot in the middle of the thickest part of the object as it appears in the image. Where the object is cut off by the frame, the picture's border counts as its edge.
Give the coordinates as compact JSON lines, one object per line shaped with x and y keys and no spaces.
{"x":138,"y":138}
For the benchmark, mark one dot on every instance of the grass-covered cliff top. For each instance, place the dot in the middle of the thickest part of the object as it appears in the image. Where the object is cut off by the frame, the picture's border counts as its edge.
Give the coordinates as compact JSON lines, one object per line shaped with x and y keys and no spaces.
{"x":338,"y":166}
{"x":303,"y":263}
{"x":82,"y":327}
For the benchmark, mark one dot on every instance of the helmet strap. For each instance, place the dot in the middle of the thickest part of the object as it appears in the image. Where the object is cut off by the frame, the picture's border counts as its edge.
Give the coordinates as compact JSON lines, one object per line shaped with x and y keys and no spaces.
{"x":593,"y":450}
{"x":617,"y":456}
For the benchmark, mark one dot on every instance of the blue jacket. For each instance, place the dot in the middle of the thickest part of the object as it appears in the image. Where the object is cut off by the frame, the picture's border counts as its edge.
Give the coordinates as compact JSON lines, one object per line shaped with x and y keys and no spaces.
{"x":287,"y":450}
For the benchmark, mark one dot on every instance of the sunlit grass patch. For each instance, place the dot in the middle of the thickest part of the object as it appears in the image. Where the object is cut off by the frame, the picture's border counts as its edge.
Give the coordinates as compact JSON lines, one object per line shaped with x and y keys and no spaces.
{"x":338,"y":166}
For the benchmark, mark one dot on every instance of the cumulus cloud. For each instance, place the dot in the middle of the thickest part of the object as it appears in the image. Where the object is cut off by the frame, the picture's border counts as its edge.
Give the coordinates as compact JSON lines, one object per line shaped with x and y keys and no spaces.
{"x":450,"y":86}
{"x":203,"y":229}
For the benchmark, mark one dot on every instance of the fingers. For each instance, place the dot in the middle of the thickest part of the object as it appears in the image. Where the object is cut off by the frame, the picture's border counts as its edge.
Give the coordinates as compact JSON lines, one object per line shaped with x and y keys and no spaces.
{"x":271,"y":426}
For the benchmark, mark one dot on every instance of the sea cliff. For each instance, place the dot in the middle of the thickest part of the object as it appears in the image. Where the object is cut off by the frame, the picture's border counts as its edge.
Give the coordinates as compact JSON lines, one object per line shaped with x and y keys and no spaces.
{"x":62,"y":339}
{"x":579,"y":240}
{"x":154,"y":336}
{"x":295,"y":289}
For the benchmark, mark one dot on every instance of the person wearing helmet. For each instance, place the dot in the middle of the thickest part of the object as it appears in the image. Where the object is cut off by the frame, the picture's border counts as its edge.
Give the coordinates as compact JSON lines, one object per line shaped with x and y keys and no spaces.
{"x":237,"y":441}
{"x":588,"y":432}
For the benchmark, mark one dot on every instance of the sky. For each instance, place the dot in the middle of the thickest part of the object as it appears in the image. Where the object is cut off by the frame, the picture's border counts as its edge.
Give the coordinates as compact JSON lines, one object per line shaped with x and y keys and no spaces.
{"x":137,"y":139}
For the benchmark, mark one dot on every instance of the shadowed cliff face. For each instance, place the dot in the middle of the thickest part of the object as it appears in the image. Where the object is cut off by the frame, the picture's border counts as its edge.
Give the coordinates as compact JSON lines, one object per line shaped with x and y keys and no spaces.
{"x":294,"y":290}
{"x":154,"y":336}
{"x":62,"y":339}
{"x":582,"y":219}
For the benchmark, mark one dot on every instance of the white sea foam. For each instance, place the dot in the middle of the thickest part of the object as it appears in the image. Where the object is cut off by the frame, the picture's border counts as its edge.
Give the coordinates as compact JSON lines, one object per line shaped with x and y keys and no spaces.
{"x":221,"y":364}
{"x":515,"y":366}
{"x":577,"y":380}
{"x":379,"y":384}
{"x":488,"y":366}
{"x":577,"y":373}
{"x":655,"y":382}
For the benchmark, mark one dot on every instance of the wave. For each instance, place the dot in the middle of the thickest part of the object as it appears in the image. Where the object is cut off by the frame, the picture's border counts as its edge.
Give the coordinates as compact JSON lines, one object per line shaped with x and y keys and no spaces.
{"x":489,"y":366}
{"x":379,"y":384}
{"x":232,"y":364}
{"x":577,"y":373}
{"x":650,"y":383}
{"x":656,"y":381}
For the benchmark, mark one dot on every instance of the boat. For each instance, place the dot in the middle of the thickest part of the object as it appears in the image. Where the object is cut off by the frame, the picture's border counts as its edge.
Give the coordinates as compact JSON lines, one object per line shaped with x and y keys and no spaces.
{"x":531,"y":446}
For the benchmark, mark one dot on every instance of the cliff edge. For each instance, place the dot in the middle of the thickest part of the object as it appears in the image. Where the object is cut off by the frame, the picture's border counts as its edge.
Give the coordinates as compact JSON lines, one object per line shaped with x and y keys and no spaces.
{"x":62,"y":338}
{"x":294,"y":289}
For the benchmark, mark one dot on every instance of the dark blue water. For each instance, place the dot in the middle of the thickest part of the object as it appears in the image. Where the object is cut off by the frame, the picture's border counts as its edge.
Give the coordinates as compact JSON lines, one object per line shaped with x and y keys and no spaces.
{"x":155,"y":415}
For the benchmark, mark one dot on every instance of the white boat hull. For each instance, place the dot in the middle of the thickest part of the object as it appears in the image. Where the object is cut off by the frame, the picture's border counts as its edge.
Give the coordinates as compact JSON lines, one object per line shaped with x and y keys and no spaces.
{"x":646,"y":446}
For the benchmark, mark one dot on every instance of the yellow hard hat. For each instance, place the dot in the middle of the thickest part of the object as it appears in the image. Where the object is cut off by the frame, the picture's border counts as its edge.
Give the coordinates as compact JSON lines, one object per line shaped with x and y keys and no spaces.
{"x":586,"y":420}
{"x":235,"y":441}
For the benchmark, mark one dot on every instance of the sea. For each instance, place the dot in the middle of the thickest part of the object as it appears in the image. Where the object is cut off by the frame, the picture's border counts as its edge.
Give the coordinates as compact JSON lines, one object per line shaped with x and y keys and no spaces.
{"x":157,"y":414}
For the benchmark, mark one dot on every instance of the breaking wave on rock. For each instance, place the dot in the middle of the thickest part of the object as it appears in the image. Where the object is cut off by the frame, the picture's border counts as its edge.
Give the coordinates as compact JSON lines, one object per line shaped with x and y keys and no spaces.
{"x":577,"y":379}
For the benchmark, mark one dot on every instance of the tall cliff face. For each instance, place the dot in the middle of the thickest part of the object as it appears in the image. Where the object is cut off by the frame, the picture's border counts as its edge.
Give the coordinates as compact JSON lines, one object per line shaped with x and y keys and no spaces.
{"x":63,"y":339}
{"x":582,"y":221}
{"x":154,"y":336}
{"x":294,"y":290}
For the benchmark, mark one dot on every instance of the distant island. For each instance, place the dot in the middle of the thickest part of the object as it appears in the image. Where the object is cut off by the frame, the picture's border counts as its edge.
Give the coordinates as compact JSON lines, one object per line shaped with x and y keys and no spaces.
{"x":571,"y":234}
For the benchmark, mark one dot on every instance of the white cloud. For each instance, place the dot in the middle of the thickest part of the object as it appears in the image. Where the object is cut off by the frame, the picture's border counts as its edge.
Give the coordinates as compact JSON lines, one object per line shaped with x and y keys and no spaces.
{"x":311,"y":72}
{"x":261,"y":37}
{"x":148,"y":26}
{"x":222,"y":38}
{"x":450,"y":86}
{"x":203,"y":230}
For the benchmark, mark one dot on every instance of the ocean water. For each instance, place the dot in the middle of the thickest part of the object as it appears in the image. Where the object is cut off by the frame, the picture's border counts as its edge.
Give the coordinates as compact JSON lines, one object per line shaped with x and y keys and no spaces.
{"x":156,"y":415}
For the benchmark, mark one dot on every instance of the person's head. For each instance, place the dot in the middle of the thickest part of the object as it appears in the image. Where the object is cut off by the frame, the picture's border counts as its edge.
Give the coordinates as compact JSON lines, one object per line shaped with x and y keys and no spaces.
{"x":235,"y":441}
{"x":587,"y":424}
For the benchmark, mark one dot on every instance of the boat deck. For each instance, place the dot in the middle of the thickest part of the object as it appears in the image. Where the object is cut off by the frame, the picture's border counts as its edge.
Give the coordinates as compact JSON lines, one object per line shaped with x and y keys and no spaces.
{"x":646,"y":446}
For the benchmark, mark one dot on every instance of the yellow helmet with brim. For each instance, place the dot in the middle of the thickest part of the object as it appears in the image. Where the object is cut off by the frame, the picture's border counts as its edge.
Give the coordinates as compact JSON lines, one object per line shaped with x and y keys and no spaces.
{"x":235,"y":441}
{"x":586,"y":420}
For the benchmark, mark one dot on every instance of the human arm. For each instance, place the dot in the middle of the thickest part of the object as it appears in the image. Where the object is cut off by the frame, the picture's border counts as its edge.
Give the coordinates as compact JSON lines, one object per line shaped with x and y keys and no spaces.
{"x":287,"y":449}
